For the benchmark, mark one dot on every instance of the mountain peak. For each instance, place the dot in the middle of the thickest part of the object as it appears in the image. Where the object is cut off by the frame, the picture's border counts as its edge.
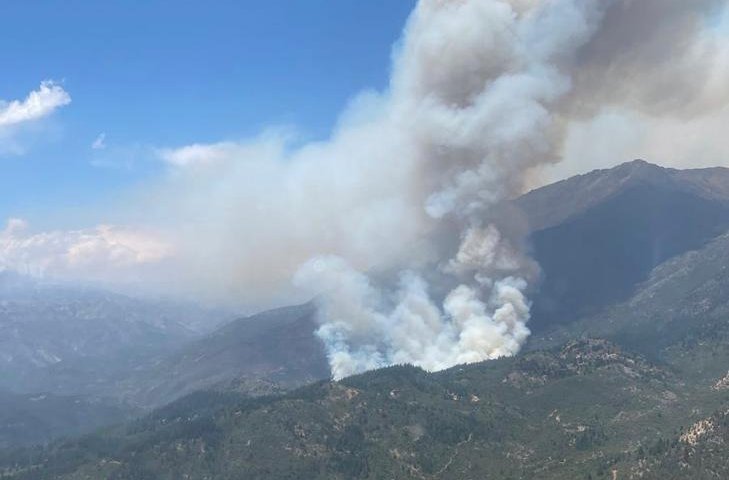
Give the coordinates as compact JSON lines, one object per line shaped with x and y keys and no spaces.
{"x":637,"y":166}
{"x":550,"y":205}
{"x":639,"y":170}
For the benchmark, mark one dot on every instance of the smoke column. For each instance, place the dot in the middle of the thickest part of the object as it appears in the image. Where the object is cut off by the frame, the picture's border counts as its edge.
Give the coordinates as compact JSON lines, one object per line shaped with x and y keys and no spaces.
{"x":396,"y":224}
{"x":478,"y":98}
{"x":473,"y":87}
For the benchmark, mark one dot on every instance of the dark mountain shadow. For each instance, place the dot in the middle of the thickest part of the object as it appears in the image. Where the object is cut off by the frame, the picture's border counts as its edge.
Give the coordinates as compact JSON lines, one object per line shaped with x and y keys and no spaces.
{"x":598,"y":257}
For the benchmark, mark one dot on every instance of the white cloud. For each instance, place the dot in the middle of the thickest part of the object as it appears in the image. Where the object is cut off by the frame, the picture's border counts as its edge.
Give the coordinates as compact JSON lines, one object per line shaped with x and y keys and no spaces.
{"x":200,"y":154}
{"x":17,"y":116}
{"x":100,"y":142}
{"x":38,"y":104}
{"x":104,"y":253}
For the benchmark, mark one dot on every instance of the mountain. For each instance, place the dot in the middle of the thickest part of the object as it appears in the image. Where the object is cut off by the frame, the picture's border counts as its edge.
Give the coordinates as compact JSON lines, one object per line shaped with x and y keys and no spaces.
{"x":69,"y":340}
{"x":597,"y":236}
{"x":259,"y":354}
{"x":580,"y":411}
{"x":684,"y":301}
{"x":34,"y":419}
{"x":698,"y":451}
{"x":64,"y":348}
{"x":556,"y":203}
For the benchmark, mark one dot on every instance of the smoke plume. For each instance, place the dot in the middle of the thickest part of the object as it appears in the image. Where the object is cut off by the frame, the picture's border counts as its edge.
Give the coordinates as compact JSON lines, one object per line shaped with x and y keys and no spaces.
{"x":394,"y":223}
{"x":480,"y":94}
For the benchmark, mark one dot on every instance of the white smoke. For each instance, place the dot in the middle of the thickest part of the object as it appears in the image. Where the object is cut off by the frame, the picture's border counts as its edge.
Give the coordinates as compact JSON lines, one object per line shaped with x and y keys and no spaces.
{"x":393,"y":223}
{"x":473,"y":90}
{"x":366,"y":327}
{"x":479,"y":97}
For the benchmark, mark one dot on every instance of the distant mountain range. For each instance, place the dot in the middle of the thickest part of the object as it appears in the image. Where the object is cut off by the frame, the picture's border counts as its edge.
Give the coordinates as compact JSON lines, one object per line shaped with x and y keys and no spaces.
{"x":68,"y":339}
{"x":625,"y":375}
{"x":28,"y":419}
{"x":259,"y":354}
{"x":64,"y":348}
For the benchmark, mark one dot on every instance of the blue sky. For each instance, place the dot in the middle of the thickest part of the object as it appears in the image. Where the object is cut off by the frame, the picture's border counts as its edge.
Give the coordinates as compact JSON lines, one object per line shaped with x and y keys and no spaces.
{"x":154,"y":74}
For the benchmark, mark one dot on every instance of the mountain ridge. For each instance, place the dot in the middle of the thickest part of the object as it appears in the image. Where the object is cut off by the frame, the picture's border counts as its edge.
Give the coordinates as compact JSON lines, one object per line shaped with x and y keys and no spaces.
{"x":548,"y":206}
{"x":583,"y":409}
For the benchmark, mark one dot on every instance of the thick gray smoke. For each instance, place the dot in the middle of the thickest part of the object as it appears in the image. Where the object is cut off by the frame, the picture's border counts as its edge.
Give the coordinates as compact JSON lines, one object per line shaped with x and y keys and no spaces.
{"x":479,"y":97}
{"x":471,"y":103}
{"x":392,"y":223}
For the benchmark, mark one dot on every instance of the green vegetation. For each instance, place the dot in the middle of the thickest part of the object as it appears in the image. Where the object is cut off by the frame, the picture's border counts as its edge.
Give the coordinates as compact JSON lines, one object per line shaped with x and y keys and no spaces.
{"x":576,"y":412}
{"x":31,"y":419}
